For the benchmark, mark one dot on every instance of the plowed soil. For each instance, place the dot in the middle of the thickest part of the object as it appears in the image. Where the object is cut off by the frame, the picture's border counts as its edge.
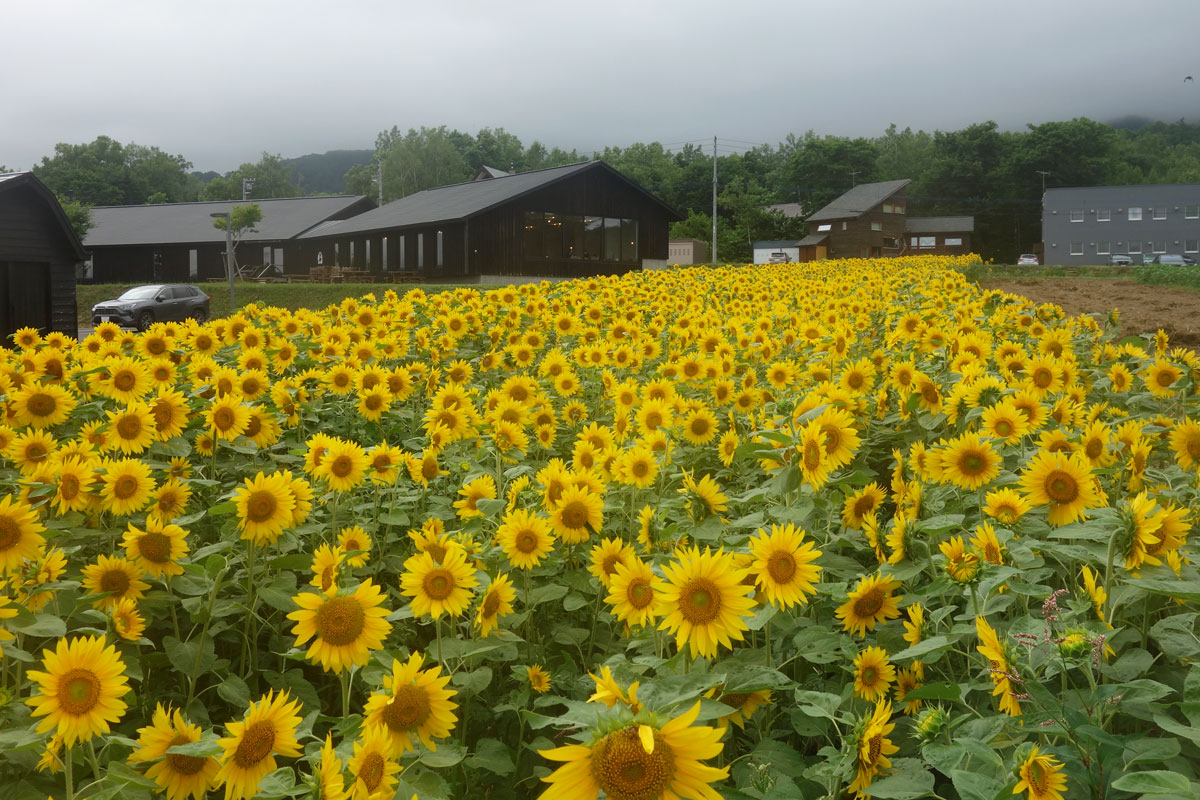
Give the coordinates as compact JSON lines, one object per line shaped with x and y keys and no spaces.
{"x":1144,"y":309}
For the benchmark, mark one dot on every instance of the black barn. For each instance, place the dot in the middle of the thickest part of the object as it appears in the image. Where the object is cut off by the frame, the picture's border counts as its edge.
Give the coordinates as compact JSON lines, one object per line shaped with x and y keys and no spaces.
{"x":577,"y":220}
{"x":39,"y":255}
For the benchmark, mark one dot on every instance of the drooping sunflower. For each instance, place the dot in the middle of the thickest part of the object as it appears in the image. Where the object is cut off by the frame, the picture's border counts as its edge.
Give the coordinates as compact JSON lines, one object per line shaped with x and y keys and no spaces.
{"x":264,"y":507}
{"x":873,"y":674}
{"x":79,"y":692}
{"x":20,"y":534}
{"x":702,"y":497}
{"x":127,"y":485}
{"x":497,"y":602}
{"x":345,"y":628}
{"x":870,"y":603}
{"x":1042,"y":777}
{"x":640,"y":762}
{"x":481,"y":488}
{"x":914,"y":626}
{"x":727,"y":446}
{"x":115,"y":578}
{"x":372,"y":767}
{"x":962,"y":565}
{"x":525,"y":538}
{"x":413,"y":703}
{"x":873,"y":747}
{"x":170,"y":412}
{"x":330,"y":780}
{"x":783,"y":565}
{"x":970,"y":463}
{"x":158,"y":548}
{"x":437,"y":589}
{"x":268,"y":729}
{"x":169,"y":500}
{"x":1064,"y":481}
{"x":705,"y":603}
{"x":1005,"y":505}
{"x":178,"y":775}
{"x":744,"y":704}
{"x":634,"y":592}
{"x":999,"y":668}
{"x":41,"y":405}
{"x":127,"y":621}
{"x":577,"y":514}
{"x":1185,"y":443}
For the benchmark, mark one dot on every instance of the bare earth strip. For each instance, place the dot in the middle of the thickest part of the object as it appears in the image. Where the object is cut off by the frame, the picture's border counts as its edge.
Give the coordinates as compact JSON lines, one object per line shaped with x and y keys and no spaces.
{"x":1144,"y":309}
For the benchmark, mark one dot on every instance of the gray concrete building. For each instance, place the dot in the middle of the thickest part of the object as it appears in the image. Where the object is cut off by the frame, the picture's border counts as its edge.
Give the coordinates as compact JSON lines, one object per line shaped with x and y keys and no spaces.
{"x":1087,"y":225}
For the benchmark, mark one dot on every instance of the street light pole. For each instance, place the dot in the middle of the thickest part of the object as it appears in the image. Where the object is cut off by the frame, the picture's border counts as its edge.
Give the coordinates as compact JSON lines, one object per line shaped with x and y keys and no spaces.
{"x":228,"y":215}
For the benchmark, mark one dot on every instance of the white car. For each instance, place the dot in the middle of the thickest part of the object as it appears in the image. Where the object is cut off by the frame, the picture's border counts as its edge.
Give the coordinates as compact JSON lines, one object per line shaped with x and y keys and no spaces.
{"x":1028,"y":260}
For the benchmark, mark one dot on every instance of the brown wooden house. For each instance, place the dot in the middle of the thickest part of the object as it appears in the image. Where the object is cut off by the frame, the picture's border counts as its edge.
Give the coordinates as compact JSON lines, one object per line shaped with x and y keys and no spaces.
{"x":39,"y":256}
{"x":939,"y":235}
{"x":865,"y":222}
{"x":575,"y":220}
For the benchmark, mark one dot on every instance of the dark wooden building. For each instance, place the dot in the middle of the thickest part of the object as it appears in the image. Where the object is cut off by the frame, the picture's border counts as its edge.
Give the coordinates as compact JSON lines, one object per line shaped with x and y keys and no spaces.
{"x":39,"y":256}
{"x":177,"y":243}
{"x":865,"y":222}
{"x":575,"y":220}
{"x":939,"y":235}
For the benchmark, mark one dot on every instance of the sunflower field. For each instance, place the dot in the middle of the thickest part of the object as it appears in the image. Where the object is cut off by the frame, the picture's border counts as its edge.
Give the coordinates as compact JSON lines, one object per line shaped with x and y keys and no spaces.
{"x":850,"y":529}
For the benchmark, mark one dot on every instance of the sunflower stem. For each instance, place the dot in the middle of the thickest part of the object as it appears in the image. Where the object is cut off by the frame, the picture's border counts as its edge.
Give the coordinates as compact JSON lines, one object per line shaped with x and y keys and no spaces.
{"x":92,"y":757}
{"x":1108,"y":576}
{"x":345,"y":677}
{"x":69,"y":776}
{"x":767,"y":631}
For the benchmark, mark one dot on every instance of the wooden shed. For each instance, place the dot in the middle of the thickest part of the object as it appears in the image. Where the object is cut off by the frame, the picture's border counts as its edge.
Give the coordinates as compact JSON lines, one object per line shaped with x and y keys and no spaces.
{"x":39,"y":256}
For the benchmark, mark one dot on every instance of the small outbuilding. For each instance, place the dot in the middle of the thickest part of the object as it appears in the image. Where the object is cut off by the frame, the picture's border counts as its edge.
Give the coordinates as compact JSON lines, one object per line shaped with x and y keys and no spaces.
{"x":939,"y":235}
{"x":39,"y":257}
{"x":776,"y":252}
{"x":687,"y":251}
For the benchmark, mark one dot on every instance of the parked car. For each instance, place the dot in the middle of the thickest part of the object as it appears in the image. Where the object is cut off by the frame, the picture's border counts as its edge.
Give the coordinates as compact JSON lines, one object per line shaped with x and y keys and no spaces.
{"x":1028,"y":260}
{"x":1120,"y":260}
{"x":142,"y":306}
{"x":1147,"y":258}
{"x":1175,"y":260}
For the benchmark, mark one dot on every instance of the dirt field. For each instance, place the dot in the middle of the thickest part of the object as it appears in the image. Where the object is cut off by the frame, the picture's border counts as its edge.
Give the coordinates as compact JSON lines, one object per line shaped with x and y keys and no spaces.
{"x":1144,"y":309}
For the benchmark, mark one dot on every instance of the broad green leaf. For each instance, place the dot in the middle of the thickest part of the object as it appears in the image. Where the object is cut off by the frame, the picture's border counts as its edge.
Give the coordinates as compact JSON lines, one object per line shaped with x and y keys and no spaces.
{"x":489,"y":508}
{"x":908,"y":780}
{"x":188,"y":658}
{"x":974,"y":786}
{"x":1150,"y":750}
{"x":492,"y":755}
{"x":202,"y":749}
{"x":935,"y":691}
{"x":234,"y":691}
{"x":46,"y":625}
{"x":1155,"y":781}
{"x":818,"y":704}
{"x":447,"y":755}
{"x":1184,"y":590}
{"x":933,"y":643}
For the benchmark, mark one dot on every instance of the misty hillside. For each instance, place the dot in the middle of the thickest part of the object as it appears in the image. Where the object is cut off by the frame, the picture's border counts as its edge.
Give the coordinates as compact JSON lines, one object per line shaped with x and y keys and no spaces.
{"x":324,"y":173}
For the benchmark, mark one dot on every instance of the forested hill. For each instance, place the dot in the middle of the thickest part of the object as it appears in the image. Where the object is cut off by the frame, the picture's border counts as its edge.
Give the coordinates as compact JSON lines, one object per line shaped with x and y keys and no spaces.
{"x":325,"y":173}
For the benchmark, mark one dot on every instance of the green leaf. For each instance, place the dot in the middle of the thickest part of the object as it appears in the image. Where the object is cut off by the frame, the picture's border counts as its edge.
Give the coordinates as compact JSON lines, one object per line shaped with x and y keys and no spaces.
{"x":818,"y":704}
{"x":447,"y":755}
{"x":1171,"y":726}
{"x":935,"y":691}
{"x":907,"y":781}
{"x":1184,"y":590}
{"x":941,"y":523}
{"x":1155,"y":781}
{"x":919,"y":649}
{"x":233,"y":690}
{"x":189,"y":658}
{"x":573,"y":602}
{"x":761,"y":617}
{"x":46,"y":625}
{"x":974,"y":786}
{"x":1150,"y":750}
{"x":221,"y":509}
{"x":492,"y":755}
{"x":202,"y":749}
{"x":473,"y":682}
{"x":279,"y":594}
{"x":547,"y":593}
{"x":1191,"y":696}
{"x":1175,"y":636}
{"x":489,"y":507}
{"x":745,"y":678}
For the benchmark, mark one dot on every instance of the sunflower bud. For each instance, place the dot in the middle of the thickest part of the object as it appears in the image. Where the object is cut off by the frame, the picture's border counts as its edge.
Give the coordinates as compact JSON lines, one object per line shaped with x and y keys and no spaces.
{"x":931,"y":723}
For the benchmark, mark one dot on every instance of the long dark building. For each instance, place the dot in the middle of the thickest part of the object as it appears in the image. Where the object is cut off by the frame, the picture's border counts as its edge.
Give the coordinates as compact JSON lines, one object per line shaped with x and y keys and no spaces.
{"x":580,"y":219}
{"x":39,"y":255}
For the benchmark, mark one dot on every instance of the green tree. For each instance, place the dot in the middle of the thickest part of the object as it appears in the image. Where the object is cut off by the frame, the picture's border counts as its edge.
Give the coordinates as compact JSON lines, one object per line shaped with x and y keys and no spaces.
{"x":699,"y":226}
{"x":421,"y":159}
{"x":105,"y":172}
{"x":243,"y":219}
{"x":817,"y":170}
{"x":270,"y":175}
{"x":79,"y":215}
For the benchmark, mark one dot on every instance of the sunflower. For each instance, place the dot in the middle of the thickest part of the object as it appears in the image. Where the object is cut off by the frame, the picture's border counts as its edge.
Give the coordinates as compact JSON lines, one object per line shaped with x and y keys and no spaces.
{"x":969,"y":463}
{"x":437,"y":589}
{"x":343,"y":466}
{"x":815,"y":463}
{"x":870,"y":602}
{"x":1142,"y":532}
{"x":414,"y":702}
{"x":331,"y":782}
{"x":783,"y":565}
{"x":227,"y":417}
{"x":744,"y":704}
{"x":20,"y":534}
{"x":1185,"y":443}
{"x":264,"y":507}
{"x":158,"y":548}
{"x":607,"y":556}
{"x":80,"y":691}
{"x":914,"y":626}
{"x":132,"y":429}
{"x":873,"y":674}
{"x":706,"y":603}
{"x":865,"y":501}
{"x":482,"y":488}
{"x":169,"y":500}
{"x":638,"y":467}
{"x":354,"y":540}
{"x":999,"y":669}
{"x":577,"y":513}
{"x":640,"y":762}
{"x":127,"y":620}
{"x":178,"y":775}
{"x":41,"y":406}
{"x":539,"y":678}
{"x":705,"y":494}
{"x":497,"y":602}
{"x":1042,"y":777}
{"x":1005,"y":421}
{"x":125,"y":380}
{"x":385,"y":463}
{"x":126,"y":486}
{"x":525,"y":538}
{"x":325,"y":564}
{"x":727,"y":447}
{"x":961,"y":565}
{"x":1005,"y":505}
{"x":1160,"y":377}
{"x":372,"y":767}
{"x":1064,"y":481}
{"x":116,"y":579}
{"x":873,"y":748}
{"x":345,"y":628}
{"x":700,"y":426}
{"x":30,"y":450}
{"x":633,"y":592}
{"x":268,"y":729}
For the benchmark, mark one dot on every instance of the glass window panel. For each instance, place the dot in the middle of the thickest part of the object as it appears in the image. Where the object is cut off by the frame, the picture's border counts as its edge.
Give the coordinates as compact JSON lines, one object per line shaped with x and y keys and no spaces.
{"x":593,"y":238}
{"x":1077,"y":215}
{"x":1159,"y":212}
{"x":876,"y":226}
{"x":953,"y":242}
{"x":927,"y":241}
{"x":573,"y":236}
{"x":823,"y":228}
{"x":1191,"y":212}
{"x":1135,"y":213}
{"x":1102,"y":248}
{"x":532,"y":236}
{"x":1135,"y":247}
{"x":1104,"y":215}
{"x":552,"y":236}
{"x":629,"y":240}
{"x":1076,"y":248}
{"x":612,"y":239}
{"x":1160,"y":247}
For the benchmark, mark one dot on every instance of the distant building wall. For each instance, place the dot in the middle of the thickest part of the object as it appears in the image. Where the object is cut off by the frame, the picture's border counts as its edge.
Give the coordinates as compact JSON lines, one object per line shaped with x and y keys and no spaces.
{"x":1086,"y":225}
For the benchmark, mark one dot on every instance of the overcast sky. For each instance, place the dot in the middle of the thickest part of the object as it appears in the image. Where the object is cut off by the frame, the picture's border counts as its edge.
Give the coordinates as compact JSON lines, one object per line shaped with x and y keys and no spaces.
{"x":220,"y":82}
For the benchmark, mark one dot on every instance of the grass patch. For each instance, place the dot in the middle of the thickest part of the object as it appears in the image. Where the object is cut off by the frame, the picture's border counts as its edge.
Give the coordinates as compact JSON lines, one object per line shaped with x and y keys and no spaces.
{"x":1159,"y":275}
{"x":292,"y":296}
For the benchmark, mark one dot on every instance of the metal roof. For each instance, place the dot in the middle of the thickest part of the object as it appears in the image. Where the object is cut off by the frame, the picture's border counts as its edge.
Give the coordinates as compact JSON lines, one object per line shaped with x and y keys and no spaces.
{"x":774,"y":245}
{"x":10,"y":181}
{"x":191,"y":223}
{"x":787,"y":209}
{"x":860,"y":199}
{"x":812,"y":239}
{"x":487,"y":173}
{"x":462,"y":200}
{"x":940,"y":225}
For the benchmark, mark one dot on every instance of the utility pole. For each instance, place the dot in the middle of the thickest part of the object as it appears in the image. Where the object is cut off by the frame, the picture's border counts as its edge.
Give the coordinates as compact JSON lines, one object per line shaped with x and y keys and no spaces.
{"x":714,"y":219}
{"x":1043,"y":173}
{"x":247,"y":185}
{"x":853,"y":182}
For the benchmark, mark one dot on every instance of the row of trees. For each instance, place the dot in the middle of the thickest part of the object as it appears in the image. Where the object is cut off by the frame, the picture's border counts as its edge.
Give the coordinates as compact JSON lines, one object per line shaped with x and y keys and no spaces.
{"x":993,"y":175}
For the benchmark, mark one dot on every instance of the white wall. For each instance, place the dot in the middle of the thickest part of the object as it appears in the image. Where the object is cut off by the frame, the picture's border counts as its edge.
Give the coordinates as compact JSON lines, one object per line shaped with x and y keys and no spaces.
{"x":764,"y":256}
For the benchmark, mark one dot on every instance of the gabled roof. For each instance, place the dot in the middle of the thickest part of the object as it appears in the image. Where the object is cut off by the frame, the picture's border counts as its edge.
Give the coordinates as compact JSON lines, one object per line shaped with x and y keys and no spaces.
{"x":774,"y":245}
{"x":461,"y":201}
{"x":860,"y":199}
{"x":940,"y":225}
{"x":812,"y":239}
{"x":191,"y":223}
{"x":486,"y":173}
{"x":13,"y":181}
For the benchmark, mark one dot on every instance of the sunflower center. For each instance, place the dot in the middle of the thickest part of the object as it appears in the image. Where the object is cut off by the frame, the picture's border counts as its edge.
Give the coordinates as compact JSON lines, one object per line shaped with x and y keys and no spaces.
{"x":439,"y":583}
{"x":10,"y":532}
{"x":781,"y":566}
{"x":1165,"y":378}
{"x":1061,"y":487}
{"x":1094,"y":449}
{"x":737,"y":700}
{"x":491,"y":604}
{"x":870,"y":676}
{"x":526,"y":541}
{"x":261,"y":507}
{"x":326,"y":578}
{"x":256,"y":744}
{"x":864,"y":506}
{"x":639,"y":469}
{"x":624,"y":770}
{"x":124,"y":381}
{"x":41,"y":405}
{"x":181,"y":764}
{"x":609,"y":564}
{"x":340,"y":621}
{"x":437,"y":551}
{"x":700,"y":426}
{"x":1004,"y":427}
{"x":342,"y":466}
{"x":1193,"y":446}
{"x":68,"y":487}
{"x":1042,"y":378}
{"x":408,"y":709}
{"x":429,"y":469}
{"x":1038,"y":778}
{"x":155,"y":547}
{"x":972,"y":463}
{"x":115,"y":581}
{"x":78,"y":692}
{"x":224,"y":419}
{"x":253,"y":427}
{"x":700,"y":601}
{"x":869,"y":604}
{"x":574,"y":514}
{"x":639,"y":594}
{"x":874,"y":748}
{"x":163,"y":414}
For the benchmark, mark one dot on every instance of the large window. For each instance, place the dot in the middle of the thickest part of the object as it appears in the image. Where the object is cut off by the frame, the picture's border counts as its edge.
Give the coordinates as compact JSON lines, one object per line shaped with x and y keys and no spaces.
{"x":1191,"y":212}
{"x":1135,"y":213}
{"x":579,"y":237}
{"x":1191,"y":245}
{"x":1158,"y":247}
{"x":1103,"y":215}
{"x":1159,"y":212}
{"x":1135,"y":247}
{"x":1077,"y":215}
{"x":1102,"y":248}
{"x":1076,"y":248}
{"x":823,"y":228}
{"x":953,"y":241}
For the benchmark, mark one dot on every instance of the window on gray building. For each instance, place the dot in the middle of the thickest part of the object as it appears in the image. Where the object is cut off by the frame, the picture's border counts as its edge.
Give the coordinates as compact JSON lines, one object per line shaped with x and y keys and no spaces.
{"x":1076,"y":215}
{"x":1102,"y":248}
{"x":1158,"y":247}
{"x":1076,"y":248}
{"x":953,"y":241}
{"x":1159,"y":212}
{"x":1135,"y":213}
{"x":420,"y":249}
{"x":1135,"y":247}
{"x":440,"y":260}
{"x":1103,"y":214}
{"x":1191,"y":245}
{"x":1191,"y":212}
